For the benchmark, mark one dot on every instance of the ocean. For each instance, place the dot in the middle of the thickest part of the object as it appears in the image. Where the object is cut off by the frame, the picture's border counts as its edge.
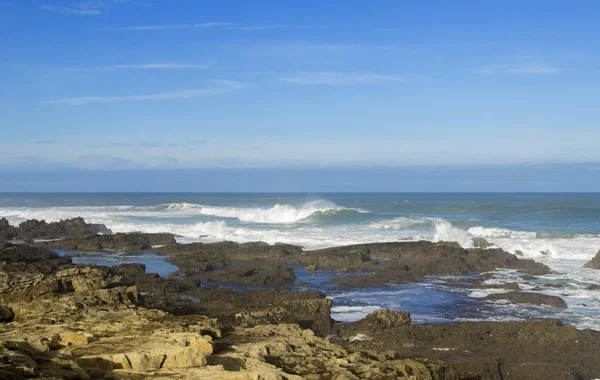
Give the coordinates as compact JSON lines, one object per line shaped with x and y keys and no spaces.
{"x":560,"y":230}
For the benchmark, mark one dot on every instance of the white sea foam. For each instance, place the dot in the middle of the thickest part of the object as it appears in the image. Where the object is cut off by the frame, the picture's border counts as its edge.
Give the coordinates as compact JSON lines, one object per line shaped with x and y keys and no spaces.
{"x":444,"y":231}
{"x":276,"y":214}
{"x":351,"y":313}
{"x":280,"y":213}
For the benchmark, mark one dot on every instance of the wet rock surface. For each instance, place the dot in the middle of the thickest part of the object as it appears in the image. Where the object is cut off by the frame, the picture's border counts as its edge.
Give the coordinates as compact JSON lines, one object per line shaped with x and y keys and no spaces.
{"x":594,"y":263}
{"x":529,"y":298}
{"x":131,"y":242}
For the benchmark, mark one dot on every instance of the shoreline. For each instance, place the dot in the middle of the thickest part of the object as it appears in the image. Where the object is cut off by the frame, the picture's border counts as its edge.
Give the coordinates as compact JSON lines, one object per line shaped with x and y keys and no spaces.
{"x":52,"y":307}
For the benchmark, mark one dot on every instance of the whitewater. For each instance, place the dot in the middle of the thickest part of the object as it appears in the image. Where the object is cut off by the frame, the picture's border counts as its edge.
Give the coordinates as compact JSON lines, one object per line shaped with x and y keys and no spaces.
{"x":561,"y":230}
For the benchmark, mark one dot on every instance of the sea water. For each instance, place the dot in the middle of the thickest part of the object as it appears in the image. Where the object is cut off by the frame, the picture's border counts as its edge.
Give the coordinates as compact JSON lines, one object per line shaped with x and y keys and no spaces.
{"x":560,"y":230}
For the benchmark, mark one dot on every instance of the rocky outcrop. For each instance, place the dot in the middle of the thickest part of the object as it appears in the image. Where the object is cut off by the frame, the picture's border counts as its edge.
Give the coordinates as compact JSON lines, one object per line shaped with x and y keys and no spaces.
{"x":529,"y":298}
{"x":7,"y":232}
{"x":128,"y":242}
{"x":253,"y":275}
{"x":412,"y":261}
{"x":76,"y":227}
{"x":501,"y":350}
{"x":195,"y":258}
{"x":594,"y":263}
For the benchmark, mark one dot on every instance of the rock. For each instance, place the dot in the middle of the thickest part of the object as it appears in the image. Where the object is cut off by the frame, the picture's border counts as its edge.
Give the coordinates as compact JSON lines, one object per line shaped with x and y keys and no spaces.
{"x":594,"y":263}
{"x":195,"y":258}
{"x":69,"y":338}
{"x":481,"y":243}
{"x":254,"y":275}
{"x":6,"y":314}
{"x":510,"y":286}
{"x":311,"y":268}
{"x":384,"y":319}
{"x":470,"y":345}
{"x":131,"y":242}
{"x":593,"y":287}
{"x":530,"y":298}
{"x":7,"y":232}
{"x":76,"y":227}
{"x":412,"y":261}
{"x":535,"y":371}
{"x":519,"y":253}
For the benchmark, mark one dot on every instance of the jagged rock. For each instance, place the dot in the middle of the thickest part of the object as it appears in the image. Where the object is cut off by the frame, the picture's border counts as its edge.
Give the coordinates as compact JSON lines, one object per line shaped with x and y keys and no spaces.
{"x":76,"y":227}
{"x":530,"y":298}
{"x":7,"y":232}
{"x":131,"y":242}
{"x":594,"y":263}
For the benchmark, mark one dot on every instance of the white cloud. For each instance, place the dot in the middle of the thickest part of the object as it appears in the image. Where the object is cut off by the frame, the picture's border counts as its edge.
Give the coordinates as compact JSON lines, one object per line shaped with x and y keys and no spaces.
{"x":206,"y":25}
{"x":527,"y":69}
{"x":84,"y":8}
{"x":151,"y":66}
{"x":221,"y":87}
{"x":176,"y":26}
{"x":338,"y":78}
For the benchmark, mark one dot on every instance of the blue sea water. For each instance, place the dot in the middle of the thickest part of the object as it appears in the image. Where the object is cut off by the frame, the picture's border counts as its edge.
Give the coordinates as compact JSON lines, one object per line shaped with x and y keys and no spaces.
{"x":561,"y":230}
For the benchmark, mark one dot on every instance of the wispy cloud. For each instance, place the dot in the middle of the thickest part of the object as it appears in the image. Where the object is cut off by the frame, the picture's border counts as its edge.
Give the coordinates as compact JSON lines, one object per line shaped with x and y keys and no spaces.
{"x":220,"y":87}
{"x":256,"y":27}
{"x":526,"y":69}
{"x":207,"y":25}
{"x":176,"y":26}
{"x":147,"y":66}
{"x":84,"y":7}
{"x":338,"y":78}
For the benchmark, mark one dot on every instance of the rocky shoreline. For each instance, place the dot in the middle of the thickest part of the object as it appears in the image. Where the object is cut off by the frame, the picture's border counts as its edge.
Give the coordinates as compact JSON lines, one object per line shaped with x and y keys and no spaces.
{"x":63,"y":320}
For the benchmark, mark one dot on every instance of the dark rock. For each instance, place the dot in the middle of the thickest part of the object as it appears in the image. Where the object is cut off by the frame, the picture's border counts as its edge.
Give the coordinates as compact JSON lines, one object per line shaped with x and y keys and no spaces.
{"x":528,"y":277}
{"x":593,"y":287}
{"x":195,"y":258}
{"x":510,"y":286}
{"x":536,"y":371}
{"x":6,"y":314}
{"x":511,"y":344}
{"x":7,"y":232}
{"x":129,"y":242}
{"x":529,"y":298}
{"x":414,"y":260}
{"x":593,"y":263}
{"x":253,"y":275}
{"x":519,"y":253}
{"x":72,"y":228}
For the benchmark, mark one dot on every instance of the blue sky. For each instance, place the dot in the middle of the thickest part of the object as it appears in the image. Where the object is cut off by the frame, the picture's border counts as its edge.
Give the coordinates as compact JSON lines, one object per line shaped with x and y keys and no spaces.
{"x":157,"y":84}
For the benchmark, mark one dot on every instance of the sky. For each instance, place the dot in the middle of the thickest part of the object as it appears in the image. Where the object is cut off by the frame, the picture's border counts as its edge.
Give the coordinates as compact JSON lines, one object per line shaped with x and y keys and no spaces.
{"x":181,"y":85}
